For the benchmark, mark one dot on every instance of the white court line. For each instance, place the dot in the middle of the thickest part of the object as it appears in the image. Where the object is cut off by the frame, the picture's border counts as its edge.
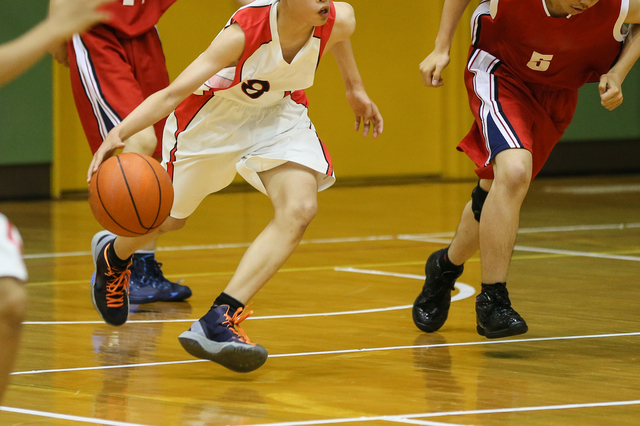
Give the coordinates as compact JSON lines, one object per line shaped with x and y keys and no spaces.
{"x":358,"y":239}
{"x":344,"y":351}
{"x":321,"y":314}
{"x":68,"y":417}
{"x":594,"y":189}
{"x":535,"y":249}
{"x":453,"y":413}
{"x":422,"y":422}
{"x":465,"y":291}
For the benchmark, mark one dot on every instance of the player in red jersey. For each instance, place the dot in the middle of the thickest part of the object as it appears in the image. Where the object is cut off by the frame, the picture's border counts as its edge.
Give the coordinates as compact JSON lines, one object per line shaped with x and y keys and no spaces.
{"x":15,"y":57}
{"x":114,"y":67}
{"x":251,"y":117}
{"x":526,"y":63}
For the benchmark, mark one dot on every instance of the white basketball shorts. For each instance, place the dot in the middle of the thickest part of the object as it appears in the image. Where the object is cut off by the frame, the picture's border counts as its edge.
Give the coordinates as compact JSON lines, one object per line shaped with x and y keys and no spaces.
{"x":11,"y":263}
{"x":204,"y":148}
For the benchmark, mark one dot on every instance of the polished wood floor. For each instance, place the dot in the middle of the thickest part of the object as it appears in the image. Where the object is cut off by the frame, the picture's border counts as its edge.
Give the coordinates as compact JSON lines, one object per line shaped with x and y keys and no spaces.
{"x":337,"y":319}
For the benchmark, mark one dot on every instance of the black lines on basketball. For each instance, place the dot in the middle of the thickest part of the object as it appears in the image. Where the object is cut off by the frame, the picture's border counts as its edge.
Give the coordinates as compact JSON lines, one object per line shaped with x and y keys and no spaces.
{"x":131,"y":194}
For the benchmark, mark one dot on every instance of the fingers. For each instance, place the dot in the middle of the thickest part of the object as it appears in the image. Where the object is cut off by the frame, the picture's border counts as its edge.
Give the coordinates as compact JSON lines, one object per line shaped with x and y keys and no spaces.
{"x":610,"y":93}
{"x":436,"y":80}
{"x":371,"y":121}
{"x":93,"y":167}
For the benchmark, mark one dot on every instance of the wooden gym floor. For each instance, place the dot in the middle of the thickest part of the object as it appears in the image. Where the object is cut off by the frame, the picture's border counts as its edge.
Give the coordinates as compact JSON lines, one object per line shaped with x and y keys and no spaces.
{"x":337,"y":319}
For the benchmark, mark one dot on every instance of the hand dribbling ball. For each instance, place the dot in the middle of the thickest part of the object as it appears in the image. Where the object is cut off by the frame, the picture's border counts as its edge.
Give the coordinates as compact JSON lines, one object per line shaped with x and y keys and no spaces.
{"x":130,"y":194}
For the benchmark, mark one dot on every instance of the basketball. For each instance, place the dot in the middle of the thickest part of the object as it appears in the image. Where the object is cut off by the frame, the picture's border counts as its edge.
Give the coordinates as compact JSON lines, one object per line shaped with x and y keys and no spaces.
{"x":130,"y":194}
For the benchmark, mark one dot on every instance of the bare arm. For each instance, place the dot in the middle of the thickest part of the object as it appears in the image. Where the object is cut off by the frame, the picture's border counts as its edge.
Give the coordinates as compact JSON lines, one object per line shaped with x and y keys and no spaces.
{"x":70,"y":16}
{"x":431,"y":68}
{"x":224,"y":51}
{"x":610,"y":86}
{"x":366,"y":112}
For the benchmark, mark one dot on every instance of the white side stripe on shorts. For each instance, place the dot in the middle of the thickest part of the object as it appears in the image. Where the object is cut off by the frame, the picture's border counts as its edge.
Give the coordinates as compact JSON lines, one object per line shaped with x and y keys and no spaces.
{"x":101,"y":109}
{"x":485,"y":86}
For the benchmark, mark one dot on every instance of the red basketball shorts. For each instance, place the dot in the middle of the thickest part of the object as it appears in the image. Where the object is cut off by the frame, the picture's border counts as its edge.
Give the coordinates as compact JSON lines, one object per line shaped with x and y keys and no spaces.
{"x":111,"y":75}
{"x":512,"y":114}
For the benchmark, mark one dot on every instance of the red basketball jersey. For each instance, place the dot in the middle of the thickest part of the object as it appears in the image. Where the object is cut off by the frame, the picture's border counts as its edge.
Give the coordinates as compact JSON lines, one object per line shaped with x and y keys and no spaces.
{"x":135,"y":17}
{"x":562,"y":52}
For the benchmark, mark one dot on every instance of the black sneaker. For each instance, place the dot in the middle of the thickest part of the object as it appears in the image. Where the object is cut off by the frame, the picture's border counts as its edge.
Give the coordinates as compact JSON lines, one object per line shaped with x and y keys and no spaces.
{"x":109,"y":286}
{"x":431,"y":308}
{"x":141,"y":289}
{"x":150,"y":273}
{"x":495,"y":316}
{"x":217,"y":339}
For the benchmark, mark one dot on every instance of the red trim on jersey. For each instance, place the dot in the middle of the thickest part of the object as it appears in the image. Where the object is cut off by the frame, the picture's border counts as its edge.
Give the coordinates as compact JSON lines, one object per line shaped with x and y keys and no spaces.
{"x":254,"y":22}
{"x":185,"y":113}
{"x":324,"y":31}
{"x":299,"y":97}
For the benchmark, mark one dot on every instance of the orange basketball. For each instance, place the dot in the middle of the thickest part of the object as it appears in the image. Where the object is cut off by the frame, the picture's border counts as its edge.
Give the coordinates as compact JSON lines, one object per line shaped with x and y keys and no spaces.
{"x":130,"y":194}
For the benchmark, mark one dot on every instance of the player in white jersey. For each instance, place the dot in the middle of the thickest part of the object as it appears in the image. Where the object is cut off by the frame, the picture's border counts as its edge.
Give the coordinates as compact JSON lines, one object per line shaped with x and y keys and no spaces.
{"x":251,"y":117}
{"x":15,"y":57}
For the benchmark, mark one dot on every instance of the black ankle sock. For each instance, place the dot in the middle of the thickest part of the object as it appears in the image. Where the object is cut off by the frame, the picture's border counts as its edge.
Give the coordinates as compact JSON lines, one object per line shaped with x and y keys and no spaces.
{"x":114,"y":260}
{"x":225,"y":299}
{"x":446,"y":264}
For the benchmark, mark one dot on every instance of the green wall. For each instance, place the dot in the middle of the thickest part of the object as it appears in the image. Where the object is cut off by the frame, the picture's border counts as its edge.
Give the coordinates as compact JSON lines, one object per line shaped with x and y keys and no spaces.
{"x":26,"y":102}
{"x":593,"y":122}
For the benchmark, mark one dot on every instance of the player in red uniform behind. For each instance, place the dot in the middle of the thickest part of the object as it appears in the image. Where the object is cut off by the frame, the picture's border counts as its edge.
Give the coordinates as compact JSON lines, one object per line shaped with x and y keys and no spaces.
{"x":15,"y":57}
{"x":114,"y":67}
{"x":526,"y":63}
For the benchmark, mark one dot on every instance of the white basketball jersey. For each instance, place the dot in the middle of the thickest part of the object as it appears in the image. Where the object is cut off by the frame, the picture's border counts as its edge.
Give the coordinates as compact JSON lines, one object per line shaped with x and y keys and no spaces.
{"x":262,"y":76}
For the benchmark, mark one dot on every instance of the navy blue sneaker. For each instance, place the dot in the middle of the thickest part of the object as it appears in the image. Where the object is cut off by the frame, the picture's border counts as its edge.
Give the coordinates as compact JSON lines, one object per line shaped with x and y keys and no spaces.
{"x":214,"y":337}
{"x":141,"y":288}
{"x":148,"y":271}
{"x":109,"y":285}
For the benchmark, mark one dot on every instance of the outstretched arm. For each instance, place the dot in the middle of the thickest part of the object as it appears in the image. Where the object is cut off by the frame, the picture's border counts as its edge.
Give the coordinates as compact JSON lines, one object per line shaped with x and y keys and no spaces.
{"x":70,"y":16}
{"x":365,"y":110}
{"x":431,"y":68}
{"x":224,"y":51}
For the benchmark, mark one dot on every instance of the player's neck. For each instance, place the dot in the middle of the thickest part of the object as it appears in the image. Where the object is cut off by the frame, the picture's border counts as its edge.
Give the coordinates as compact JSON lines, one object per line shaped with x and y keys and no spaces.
{"x":555,"y":10}
{"x":293,"y":34}
{"x":291,"y":29}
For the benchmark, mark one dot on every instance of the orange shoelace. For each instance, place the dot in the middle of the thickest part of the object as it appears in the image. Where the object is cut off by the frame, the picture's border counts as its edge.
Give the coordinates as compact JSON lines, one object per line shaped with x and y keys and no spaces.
{"x":117,"y":284}
{"x":235,"y":320}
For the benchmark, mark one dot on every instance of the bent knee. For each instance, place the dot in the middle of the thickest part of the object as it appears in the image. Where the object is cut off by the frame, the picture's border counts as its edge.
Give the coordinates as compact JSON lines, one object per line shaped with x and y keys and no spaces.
{"x":299,"y":213}
{"x":172,"y":224}
{"x":143,"y":142}
{"x":13,"y":302}
{"x":515,"y":176}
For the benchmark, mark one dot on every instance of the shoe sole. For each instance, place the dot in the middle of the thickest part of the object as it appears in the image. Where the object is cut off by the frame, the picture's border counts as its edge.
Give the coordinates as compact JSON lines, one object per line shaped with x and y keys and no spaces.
{"x":511,"y":331}
{"x":234,"y":356}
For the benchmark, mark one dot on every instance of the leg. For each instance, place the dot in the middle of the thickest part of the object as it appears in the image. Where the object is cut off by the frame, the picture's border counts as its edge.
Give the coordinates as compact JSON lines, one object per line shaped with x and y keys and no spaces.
{"x":498,"y":230}
{"x":501,"y":213}
{"x":148,"y":283}
{"x":143,"y":142}
{"x":293,"y":192}
{"x":431,"y":308}
{"x":112,"y":259}
{"x":13,"y":304}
